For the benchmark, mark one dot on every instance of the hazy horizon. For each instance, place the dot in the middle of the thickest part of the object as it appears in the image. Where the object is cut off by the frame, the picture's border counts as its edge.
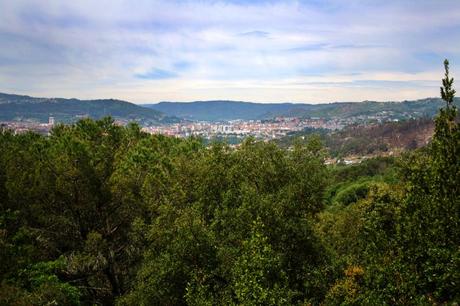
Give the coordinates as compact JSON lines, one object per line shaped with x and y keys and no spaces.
{"x":256,"y":51}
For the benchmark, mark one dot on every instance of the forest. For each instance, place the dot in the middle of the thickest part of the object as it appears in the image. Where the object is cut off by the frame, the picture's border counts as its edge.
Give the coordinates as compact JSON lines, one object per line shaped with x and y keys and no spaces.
{"x":101,"y":214}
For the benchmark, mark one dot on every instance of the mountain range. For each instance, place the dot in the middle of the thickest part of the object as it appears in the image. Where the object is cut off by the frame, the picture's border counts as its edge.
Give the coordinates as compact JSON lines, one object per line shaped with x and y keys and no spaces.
{"x":25,"y":108}
{"x":20,"y":108}
{"x":221,"y":110}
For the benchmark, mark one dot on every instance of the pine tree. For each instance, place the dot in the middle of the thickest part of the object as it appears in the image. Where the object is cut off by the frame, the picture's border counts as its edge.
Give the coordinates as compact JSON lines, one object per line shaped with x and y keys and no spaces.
{"x":447,"y":92}
{"x":431,"y":215}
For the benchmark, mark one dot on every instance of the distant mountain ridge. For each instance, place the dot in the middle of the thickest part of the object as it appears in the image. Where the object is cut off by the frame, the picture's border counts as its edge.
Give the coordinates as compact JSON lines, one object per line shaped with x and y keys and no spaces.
{"x":218,"y":110}
{"x":18,"y":107}
{"x":222,"y":110}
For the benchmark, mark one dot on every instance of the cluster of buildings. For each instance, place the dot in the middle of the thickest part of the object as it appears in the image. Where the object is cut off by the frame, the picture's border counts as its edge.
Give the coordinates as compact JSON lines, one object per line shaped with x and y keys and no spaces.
{"x":268,"y":129}
{"x":264,"y":129}
{"x":261,"y":129}
{"x":19,"y":127}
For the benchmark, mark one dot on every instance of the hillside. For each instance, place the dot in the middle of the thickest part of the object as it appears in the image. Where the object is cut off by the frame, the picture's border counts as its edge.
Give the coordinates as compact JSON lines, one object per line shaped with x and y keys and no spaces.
{"x":18,"y":108}
{"x":232,"y":110}
{"x":371,"y":139}
{"x":221,"y":110}
{"x":398,"y":110}
{"x":379,"y":138}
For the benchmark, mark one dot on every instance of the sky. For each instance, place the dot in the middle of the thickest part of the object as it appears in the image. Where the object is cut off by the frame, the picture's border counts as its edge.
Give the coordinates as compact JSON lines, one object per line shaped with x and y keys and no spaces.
{"x":261,"y":51}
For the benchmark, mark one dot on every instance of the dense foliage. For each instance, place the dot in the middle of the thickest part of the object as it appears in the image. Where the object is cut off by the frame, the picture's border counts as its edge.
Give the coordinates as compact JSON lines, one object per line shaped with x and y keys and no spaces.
{"x":98,"y":214}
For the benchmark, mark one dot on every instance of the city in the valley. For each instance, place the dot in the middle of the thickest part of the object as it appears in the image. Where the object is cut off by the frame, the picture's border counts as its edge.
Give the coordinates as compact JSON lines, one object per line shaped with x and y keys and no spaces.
{"x":262,"y":129}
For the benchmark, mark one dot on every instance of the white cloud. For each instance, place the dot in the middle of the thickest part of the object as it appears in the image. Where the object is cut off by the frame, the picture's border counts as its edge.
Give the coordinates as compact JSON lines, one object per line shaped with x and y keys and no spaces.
{"x":92,"y":49}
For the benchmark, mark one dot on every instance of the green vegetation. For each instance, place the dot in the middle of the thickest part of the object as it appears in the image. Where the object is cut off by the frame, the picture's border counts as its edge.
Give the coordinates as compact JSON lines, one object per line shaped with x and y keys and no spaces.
{"x":370,"y":139}
{"x":15,"y":107}
{"x":233,"y":110}
{"x":418,"y":108}
{"x":99,"y":214}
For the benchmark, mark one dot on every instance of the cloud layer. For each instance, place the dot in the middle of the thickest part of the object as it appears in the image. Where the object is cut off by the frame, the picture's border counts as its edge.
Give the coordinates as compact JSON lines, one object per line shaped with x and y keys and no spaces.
{"x":267,"y":51}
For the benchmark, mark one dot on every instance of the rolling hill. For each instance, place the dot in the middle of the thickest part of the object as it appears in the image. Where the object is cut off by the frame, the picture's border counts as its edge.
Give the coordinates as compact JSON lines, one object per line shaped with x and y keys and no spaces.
{"x":221,"y":110}
{"x":22,"y":108}
{"x":232,"y":110}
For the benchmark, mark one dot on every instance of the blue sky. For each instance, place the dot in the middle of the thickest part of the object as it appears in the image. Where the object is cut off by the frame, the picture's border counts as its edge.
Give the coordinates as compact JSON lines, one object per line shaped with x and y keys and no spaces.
{"x":262,"y":51}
